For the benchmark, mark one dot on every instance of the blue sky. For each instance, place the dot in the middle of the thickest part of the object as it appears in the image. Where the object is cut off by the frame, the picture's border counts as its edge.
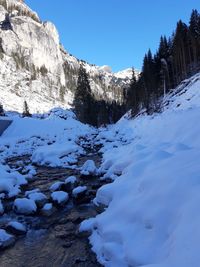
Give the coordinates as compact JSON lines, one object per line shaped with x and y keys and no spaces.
{"x":113,"y":32}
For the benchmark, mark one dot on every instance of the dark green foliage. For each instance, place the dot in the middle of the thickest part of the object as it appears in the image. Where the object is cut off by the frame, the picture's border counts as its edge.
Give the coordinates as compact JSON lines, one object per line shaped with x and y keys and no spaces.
{"x":176,"y":59}
{"x":2,"y":113}
{"x":26,"y":112}
{"x":92,"y":111}
{"x":43,"y":70}
{"x":83,"y":100}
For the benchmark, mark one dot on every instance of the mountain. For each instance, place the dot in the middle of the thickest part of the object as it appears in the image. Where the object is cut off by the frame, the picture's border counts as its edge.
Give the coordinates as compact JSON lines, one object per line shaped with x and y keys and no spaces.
{"x":35,"y":67}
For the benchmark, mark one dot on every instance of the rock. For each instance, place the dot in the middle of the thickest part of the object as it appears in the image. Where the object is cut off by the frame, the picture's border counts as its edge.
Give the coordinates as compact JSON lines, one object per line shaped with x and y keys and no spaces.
{"x":59,"y":197}
{"x":79,"y":190}
{"x":37,"y":190}
{"x":70,"y":183}
{"x":25,"y":206}
{"x":80,"y":195}
{"x":39,"y":198}
{"x":56,"y":186}
{"x":88,"y":168}
{"x":6,"y":240}
{"x":16,"y":228}
{"x":48,"y":209}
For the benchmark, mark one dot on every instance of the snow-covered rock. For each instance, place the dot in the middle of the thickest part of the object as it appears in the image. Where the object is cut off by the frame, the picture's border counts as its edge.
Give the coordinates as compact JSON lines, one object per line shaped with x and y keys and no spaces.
{"x":80,"y":195}
{"x":6,"y":240}
{"x":48,"y":209}
{"x":89,"y":168}
{"x":60,"y":197}
{"x":55,"y":154}
{"x":71,"y":180}
{"x":25,"y":206}
{"x":16,"y":228}
{"x":79,"y":190}
{"x":56,"y":186}
{"x":39,"y":198}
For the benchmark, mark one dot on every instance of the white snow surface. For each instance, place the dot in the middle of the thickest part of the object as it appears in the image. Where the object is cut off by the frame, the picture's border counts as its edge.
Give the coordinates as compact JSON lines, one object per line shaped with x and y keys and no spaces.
{"x":71,"y":179}
{"x":25,"y":206}
{"x":78,"y":190}
{"x":152,"y":216}
{"x":88,"y":168}
{"x":4,"y":236}
{"x":60,"y":196}
{"x":17,"y":225}
{"x":37,"y":196}
{"x":47,"y":207}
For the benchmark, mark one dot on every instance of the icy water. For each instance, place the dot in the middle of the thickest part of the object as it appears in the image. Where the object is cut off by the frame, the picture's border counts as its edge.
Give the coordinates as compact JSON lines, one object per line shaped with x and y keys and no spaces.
{"x":55,"y":240}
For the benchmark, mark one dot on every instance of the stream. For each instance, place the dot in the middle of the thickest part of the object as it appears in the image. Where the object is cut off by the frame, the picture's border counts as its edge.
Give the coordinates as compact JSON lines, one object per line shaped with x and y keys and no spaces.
{"x":54,"y":240}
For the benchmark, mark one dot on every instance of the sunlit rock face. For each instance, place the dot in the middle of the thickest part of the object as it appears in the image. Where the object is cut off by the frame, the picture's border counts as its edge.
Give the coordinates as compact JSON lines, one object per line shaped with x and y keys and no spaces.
{"x":36,"y":68}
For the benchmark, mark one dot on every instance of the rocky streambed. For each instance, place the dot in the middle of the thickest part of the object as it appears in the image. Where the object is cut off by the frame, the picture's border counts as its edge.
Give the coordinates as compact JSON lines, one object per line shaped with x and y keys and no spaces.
{"x":51,"y":237}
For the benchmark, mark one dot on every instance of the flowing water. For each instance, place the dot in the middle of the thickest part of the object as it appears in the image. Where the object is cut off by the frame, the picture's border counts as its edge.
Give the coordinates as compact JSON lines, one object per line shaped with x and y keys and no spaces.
{"x":54,"y":241}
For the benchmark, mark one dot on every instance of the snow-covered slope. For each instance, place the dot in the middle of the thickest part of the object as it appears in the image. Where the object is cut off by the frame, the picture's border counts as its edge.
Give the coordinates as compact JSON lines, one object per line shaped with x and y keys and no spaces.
{"x":152,"y":217}
{"x":35,"y":67}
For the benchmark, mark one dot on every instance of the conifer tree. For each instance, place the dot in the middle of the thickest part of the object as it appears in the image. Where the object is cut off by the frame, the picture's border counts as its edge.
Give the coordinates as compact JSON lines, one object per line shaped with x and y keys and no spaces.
{"x":26,"y":112}
{"x":83,"y":99}
{"x":2,"y":113}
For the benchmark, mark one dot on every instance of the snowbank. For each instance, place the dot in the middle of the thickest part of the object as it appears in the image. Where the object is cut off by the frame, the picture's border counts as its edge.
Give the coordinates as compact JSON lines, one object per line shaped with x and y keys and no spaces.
{"x":152,"y":217}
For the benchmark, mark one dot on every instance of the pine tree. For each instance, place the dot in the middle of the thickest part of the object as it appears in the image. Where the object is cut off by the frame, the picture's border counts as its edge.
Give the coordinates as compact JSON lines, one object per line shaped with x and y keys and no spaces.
{"x":2,"y":113}
{"x":194,"y":32}
{"x":132,"y":95}
{"x":83,"y":99}
{"x":26,"y":112}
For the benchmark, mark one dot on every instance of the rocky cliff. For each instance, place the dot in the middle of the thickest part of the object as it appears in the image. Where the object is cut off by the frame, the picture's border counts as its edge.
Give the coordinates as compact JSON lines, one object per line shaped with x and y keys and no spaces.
{"x":36,"y":68}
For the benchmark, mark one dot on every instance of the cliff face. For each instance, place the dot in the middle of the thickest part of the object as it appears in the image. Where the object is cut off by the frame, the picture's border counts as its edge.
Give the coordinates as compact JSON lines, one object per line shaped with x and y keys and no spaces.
{"x":35,"y":67}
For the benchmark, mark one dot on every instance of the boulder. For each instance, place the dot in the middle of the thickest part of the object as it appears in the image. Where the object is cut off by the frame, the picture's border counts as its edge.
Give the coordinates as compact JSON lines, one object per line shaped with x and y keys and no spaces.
{"x":16,"y":228}
{"x":6,"y":240}
{"x":25,"y":206}
{"x":59,"y":198}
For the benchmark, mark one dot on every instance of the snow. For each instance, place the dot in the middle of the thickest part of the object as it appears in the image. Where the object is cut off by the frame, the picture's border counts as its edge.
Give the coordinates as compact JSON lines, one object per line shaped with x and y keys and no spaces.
{"x":70,"y":179}
{"x":152,"y":204}
{"x":53,"y":154}
{"x":47,"y":207}
{"x":27,"y":193}
{"x":152,"y":208}
{"x":18,"y":226}
{"x":25,"y":206}
{"x":51,"y":140}
{"x":37,"y":196}
{"x":56,"y":186}
{"x":5,"y":238}
{"x":76,"y":191}
{"x":8,"y":184}
{"x":36,"y":44}
{"x":88,"y":168}
{"x":60,"y":197}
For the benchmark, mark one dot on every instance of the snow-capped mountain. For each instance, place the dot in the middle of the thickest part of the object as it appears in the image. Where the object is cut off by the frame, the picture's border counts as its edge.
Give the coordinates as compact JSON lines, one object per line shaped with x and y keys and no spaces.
{"x":36,"y":68}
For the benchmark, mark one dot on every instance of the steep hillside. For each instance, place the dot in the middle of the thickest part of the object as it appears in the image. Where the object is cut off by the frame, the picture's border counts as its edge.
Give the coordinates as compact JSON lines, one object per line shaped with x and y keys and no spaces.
{"x":35,"y":67}
{"x":151,"y":216}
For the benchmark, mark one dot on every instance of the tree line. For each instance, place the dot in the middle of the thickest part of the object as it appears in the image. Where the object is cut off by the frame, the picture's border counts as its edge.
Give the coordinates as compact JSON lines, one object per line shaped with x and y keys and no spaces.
{"x":177,"y":58}
{"x":92,"y":111}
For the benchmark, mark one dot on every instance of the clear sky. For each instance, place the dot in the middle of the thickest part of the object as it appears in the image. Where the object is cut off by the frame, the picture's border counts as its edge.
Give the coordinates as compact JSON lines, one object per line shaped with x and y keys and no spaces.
{"x":113,"y":32}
